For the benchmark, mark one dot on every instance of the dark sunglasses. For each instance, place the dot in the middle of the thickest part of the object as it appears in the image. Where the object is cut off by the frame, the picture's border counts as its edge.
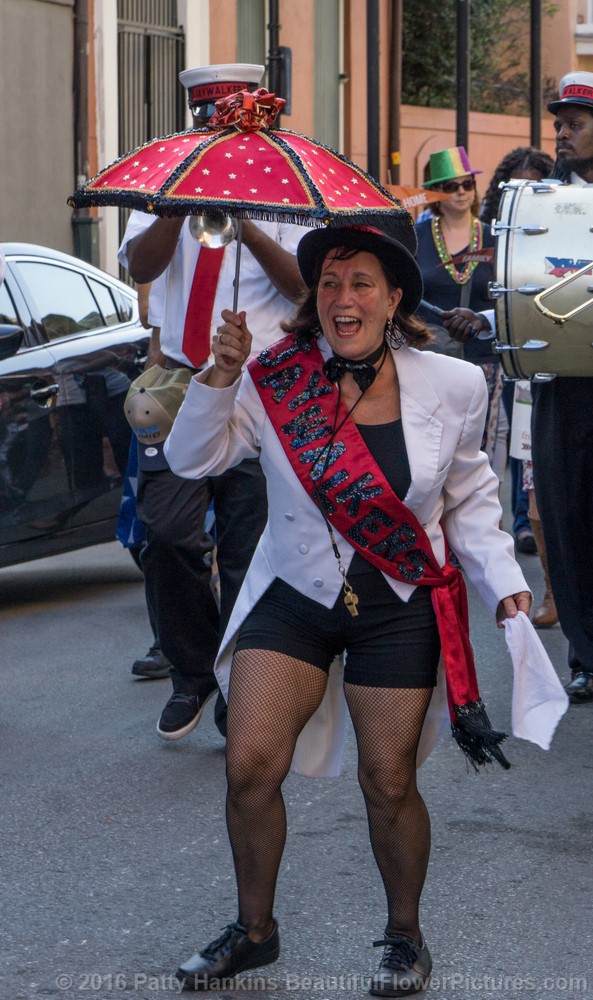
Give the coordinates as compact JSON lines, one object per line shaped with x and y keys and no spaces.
{"x":450,"y":187}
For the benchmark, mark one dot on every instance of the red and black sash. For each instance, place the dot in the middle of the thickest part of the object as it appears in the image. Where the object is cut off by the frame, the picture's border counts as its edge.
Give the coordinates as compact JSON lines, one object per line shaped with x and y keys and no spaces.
{"x":354,"y":496}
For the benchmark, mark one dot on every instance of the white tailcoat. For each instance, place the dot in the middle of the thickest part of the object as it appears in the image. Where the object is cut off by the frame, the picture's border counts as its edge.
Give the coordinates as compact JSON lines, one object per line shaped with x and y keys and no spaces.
{"x":443,"y":409}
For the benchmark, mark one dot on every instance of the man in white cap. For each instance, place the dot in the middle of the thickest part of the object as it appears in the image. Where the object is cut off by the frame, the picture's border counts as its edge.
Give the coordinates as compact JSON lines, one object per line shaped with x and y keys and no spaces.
{"x":573,"y":124}
{"x":562,"y":429}
{"x":198,"y":285}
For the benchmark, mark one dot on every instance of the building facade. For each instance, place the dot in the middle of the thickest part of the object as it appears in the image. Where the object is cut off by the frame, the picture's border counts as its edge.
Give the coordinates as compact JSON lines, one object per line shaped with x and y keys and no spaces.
{"x":85,"y":80}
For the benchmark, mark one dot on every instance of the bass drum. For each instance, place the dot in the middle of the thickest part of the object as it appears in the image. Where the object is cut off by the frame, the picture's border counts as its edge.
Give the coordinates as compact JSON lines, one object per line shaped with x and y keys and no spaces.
{"x":543,"y":304}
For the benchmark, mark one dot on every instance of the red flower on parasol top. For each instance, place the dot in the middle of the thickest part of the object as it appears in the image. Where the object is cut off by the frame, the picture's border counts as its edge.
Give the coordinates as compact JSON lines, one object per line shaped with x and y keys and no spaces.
{"x":243,"y":167}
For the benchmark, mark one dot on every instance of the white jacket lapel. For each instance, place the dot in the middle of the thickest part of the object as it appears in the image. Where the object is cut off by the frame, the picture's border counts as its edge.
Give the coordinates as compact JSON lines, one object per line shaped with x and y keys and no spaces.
{"x":422,"y":431}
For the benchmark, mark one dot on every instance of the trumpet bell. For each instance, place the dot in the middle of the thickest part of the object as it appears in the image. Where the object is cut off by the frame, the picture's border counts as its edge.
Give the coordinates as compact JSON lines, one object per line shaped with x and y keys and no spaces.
{"x":214,"y":230}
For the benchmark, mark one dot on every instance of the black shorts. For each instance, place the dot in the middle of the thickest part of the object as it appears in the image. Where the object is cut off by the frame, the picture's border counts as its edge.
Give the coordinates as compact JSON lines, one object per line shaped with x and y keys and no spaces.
{"x":390,"y":643}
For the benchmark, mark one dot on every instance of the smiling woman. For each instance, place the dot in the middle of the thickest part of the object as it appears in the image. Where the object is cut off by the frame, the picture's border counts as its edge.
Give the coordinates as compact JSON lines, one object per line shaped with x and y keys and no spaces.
{"x":370,"y":448}
{"x":352,"y":301}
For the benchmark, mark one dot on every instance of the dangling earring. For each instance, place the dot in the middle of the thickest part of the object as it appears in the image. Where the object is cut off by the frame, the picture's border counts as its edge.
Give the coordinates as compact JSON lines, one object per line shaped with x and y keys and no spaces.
{"x":393,"y":335}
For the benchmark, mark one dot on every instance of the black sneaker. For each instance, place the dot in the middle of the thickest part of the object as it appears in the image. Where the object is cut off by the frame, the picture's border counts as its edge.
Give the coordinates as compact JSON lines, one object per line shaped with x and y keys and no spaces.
{"x":405,"y":967}
{"x":154,"y":665}
{"x":581,"y":687}
{"x":231,"y":953}
{"x":182,"y":713}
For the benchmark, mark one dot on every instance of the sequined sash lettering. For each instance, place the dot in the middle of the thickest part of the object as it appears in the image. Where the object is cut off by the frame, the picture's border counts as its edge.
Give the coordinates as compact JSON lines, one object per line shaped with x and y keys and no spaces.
{"x":339,"y":475}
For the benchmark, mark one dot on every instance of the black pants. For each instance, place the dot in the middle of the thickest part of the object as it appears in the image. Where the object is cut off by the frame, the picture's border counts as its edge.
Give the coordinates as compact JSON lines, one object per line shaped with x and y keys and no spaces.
{"x":562,"y":450}
{"x":176,"y":572}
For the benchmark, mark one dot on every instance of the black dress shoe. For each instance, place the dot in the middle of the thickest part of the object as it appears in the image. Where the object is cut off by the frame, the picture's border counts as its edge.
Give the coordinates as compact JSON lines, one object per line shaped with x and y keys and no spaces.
{"x":154,"y":665}
{"x":581,"y":687}
{"x":231,"y":953}
{"x":405,"y":967}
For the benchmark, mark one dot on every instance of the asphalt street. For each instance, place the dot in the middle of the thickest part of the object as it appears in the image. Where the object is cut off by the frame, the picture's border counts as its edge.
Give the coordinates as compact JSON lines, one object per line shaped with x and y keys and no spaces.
{"x":115,"y":862}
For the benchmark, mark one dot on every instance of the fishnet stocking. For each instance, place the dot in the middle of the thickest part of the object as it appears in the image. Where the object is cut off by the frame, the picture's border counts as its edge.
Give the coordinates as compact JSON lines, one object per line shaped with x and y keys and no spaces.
{"x":271,"y":698}
{"x":387,"y":723}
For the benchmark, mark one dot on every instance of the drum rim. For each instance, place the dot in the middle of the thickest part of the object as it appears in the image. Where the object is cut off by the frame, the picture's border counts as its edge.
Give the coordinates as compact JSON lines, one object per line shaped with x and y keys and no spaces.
{"x":507,"y":357}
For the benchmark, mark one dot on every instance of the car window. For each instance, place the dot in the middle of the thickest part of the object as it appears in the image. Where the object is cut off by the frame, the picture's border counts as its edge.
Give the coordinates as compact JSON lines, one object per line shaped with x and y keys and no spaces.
{"x":105,"y":299}
{"x":63,"y":298}
{"x":7,"y":310}
{"x":125,"y":305}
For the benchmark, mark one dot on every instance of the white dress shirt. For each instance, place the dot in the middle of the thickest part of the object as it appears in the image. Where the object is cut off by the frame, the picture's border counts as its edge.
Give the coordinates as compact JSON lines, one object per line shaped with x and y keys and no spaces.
{"x":264,"y":304}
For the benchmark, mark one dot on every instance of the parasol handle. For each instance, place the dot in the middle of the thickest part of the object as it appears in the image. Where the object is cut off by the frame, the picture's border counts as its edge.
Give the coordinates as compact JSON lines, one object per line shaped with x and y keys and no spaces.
{"x":239,"y":238}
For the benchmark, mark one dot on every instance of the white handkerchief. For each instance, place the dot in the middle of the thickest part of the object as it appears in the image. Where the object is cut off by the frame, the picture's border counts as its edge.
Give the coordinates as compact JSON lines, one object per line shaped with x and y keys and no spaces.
{"x":539,"y":700}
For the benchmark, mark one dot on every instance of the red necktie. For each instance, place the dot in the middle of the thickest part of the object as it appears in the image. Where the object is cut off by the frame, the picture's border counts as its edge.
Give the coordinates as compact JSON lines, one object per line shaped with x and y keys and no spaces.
{"x":198,"y":318}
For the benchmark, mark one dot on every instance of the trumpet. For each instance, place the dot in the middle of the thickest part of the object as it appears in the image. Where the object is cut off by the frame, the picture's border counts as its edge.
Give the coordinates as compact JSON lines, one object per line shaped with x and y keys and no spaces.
{"x":214,"y":230}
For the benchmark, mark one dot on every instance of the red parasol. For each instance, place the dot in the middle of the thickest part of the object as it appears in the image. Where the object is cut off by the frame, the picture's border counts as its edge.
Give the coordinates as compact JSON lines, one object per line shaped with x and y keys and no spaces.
{"x":241,"y":166}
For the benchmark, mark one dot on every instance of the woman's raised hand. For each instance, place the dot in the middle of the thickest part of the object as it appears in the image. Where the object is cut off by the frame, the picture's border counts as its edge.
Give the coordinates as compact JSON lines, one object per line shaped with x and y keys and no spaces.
{"x":231,"y":347}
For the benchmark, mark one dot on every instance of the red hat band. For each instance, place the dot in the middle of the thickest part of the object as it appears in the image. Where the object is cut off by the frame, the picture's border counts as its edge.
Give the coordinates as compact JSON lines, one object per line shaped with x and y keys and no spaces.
{"x":209,"y":93}
{"x":577,"y":90}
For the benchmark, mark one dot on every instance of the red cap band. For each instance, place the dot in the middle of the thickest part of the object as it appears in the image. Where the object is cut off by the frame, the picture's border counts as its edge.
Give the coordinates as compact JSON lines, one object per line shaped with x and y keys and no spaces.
{"x":208,"y":93}
{"x":577,"y":90}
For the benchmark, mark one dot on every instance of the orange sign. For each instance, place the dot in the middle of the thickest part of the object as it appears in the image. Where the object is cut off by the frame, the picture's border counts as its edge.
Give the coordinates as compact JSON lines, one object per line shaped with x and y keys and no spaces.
{"x":413,"y":197}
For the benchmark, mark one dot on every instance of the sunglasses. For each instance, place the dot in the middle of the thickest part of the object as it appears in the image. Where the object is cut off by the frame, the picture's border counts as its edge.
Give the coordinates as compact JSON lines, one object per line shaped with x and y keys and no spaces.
{"x":451,"y":187}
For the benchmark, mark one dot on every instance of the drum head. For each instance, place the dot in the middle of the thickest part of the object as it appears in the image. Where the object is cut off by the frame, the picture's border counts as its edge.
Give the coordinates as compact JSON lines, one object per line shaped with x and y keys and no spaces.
{"x":544,"y":234}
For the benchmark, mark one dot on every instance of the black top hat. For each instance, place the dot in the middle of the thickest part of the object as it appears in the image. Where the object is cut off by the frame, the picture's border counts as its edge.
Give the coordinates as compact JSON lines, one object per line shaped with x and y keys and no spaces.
{"x":398,"y":260}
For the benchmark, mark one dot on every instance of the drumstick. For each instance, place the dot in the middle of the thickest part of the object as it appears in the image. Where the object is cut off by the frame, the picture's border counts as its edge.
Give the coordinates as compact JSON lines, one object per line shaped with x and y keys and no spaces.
{"x":431,"y":308}
{"x":484,"y":335}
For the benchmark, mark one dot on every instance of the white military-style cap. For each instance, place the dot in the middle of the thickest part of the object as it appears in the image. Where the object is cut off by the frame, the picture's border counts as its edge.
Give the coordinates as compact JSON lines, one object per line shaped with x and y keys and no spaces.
{"x":206,"y":84}
{"x":575,"y":88}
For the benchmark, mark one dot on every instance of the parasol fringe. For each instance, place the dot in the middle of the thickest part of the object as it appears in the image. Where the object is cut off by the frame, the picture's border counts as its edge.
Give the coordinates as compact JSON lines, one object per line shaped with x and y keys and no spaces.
{"x":82,"y":198}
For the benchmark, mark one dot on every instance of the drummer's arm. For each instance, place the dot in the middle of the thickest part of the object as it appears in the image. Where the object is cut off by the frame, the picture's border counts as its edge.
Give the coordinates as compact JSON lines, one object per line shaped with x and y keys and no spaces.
{"x":152,"y":250}
{"x":464,"y":324}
